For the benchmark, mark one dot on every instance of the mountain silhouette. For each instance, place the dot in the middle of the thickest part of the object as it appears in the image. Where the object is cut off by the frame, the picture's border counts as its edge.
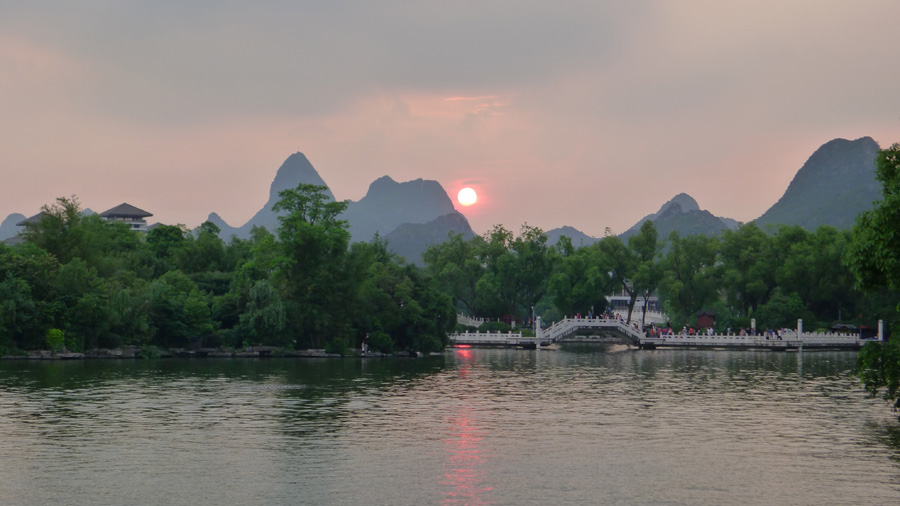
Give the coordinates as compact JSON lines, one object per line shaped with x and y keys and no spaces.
{"x":389,"y":204}
{"x":8,"y":228}
{"x":296,"y":169}
{"x":834,"y":185}
{"x":410,"y":240}
{"x":386,"y":206}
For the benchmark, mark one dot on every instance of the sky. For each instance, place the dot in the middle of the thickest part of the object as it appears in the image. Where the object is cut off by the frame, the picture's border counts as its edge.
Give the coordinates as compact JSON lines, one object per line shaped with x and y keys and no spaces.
{"x":583,"y":113}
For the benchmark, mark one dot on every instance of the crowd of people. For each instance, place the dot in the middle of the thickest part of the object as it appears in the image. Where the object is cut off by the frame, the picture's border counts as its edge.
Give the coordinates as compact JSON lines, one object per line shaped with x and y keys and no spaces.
{"x":689,"y":331}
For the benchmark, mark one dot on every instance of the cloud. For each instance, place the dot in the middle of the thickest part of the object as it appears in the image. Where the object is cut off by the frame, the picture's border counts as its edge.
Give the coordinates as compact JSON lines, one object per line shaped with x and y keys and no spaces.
{"x":576,"y":112}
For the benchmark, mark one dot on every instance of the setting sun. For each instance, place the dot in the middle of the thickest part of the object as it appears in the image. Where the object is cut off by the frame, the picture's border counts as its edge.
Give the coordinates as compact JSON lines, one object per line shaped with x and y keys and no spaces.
{"x":467,"y":196}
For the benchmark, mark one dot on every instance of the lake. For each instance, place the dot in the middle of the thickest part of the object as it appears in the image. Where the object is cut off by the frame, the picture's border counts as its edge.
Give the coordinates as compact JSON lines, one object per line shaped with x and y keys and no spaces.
{"x":586,"y":424}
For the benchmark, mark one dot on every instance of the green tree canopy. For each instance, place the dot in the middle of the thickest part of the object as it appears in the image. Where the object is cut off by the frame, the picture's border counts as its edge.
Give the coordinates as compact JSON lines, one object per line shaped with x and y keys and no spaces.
{"x":874,"y":253}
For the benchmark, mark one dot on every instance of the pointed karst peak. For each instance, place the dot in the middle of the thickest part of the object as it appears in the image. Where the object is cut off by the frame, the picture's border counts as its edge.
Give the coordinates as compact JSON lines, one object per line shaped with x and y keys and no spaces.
{"x":381,"y":184}
{"x":295,"y":170}
{"x":215,"y":218}
{"x":683,"y":201}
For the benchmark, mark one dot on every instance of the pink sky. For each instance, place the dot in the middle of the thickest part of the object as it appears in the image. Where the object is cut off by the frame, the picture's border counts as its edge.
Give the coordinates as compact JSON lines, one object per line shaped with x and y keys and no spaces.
{"x":578,"y":113}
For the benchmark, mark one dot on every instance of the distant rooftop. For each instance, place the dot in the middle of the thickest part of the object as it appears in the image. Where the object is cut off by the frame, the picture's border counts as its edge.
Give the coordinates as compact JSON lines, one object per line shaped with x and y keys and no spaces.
{"x":14,"y":240}
{"x":124,"y":211}
{"x":34,"y":219}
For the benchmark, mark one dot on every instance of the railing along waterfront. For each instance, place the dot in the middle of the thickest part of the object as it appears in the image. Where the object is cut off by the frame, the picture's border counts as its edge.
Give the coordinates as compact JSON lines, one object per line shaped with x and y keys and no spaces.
{"x":560,"y":330}
{"x":786,"y":339}
{"x":491,"y":338}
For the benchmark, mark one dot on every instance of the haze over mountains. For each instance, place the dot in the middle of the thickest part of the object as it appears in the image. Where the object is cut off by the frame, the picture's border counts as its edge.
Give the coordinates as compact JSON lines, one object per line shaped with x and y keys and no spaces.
{"x":834,"y":185}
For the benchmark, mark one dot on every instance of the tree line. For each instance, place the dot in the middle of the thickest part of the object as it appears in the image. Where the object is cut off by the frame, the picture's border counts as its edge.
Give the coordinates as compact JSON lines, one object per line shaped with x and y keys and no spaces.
{"x":80,"y":282}
{"x":743,"y":274}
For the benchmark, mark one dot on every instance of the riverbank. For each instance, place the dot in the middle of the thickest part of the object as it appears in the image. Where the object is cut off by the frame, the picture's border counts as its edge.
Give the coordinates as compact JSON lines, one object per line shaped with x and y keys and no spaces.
{"x":254,"y":352}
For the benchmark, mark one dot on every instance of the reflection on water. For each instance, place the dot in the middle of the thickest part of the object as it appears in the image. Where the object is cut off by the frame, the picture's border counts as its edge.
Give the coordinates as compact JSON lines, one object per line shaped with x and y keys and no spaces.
{"x":585,"y":424}
{"x":465,"y":465}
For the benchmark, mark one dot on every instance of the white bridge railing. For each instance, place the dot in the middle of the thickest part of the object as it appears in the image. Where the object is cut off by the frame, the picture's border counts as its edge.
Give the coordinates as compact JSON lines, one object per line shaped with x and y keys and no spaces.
{"x":469,"y":321}
{"x":781,"y":339}
{"x":567,"y":326}
{"x":489,"y":338}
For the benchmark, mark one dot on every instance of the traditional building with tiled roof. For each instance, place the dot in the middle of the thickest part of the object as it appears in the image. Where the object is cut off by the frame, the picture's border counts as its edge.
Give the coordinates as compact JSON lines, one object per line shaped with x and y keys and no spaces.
{"x":128,"y":214}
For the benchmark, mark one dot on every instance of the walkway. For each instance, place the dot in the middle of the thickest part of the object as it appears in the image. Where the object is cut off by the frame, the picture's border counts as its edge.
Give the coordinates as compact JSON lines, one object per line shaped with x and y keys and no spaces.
{"x":567,"y":327}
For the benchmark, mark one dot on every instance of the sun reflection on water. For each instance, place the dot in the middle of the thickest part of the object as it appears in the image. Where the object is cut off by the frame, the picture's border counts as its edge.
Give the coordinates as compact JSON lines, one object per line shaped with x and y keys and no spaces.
{"x":464,"y":473}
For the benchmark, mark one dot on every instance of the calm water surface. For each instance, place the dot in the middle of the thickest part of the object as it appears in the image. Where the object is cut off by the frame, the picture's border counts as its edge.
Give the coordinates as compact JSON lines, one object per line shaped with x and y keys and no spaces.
{"x":583,"y":425}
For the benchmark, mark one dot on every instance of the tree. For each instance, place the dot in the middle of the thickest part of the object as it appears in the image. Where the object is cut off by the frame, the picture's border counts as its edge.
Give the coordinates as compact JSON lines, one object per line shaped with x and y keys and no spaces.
{"x":456,"y":266}
{"x":749,"y":259}
{"x":516,"y":270}
{"x":648,"y":273}
{"x":621,"y":263}
{"x":51,"y":231}
{"x":580,"y":281}
{"x":28,"y":298}
{"x":178,"y":311}
{"x":874,"y":253}
{"x":782,"y":311}
{"x":812,"y":269}
{"x":205,"y":253}
{"x":164,"y":242}
{"x":691,"y":279}
{"x":85,"y":313}
{"x":264,"y":318}
{"x":318,"y":279}
{"x":400,"y":306}
{"x":873,"y":256}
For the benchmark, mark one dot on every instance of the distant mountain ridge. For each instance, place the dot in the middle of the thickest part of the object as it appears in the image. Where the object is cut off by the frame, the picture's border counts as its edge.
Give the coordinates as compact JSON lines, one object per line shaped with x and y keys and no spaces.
{"x":411,"y":215}
{"x":834,"y":185}
{"x":680,"y":214}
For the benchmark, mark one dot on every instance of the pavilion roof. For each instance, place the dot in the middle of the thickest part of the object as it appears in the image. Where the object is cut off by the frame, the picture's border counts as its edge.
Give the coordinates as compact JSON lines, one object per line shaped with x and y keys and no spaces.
{"x":125,"y":210}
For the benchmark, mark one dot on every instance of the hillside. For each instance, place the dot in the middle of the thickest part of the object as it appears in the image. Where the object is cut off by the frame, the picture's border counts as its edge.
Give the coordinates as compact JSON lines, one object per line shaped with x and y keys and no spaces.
{"x":389,"y":204}
{"x":8,"y":228}
{"x":578,"y":237}
{"x":412,"y":239}
{"x":682,"y":214}
{"x":296,"y":169}
{"x":834,"y":185}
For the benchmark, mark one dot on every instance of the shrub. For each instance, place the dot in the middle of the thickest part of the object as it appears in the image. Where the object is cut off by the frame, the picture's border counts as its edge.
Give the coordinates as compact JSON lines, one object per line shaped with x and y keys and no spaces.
{"x":56,"y":340}
{"x":381,"y":342}
{"x":337,"y":346}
